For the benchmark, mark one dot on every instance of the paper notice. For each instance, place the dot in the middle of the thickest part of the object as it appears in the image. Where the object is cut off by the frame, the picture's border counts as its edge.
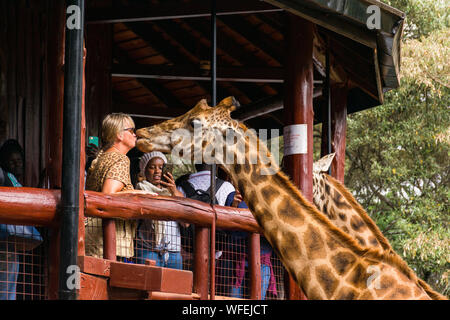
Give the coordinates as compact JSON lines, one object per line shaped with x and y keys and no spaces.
{"x":295,"y":139}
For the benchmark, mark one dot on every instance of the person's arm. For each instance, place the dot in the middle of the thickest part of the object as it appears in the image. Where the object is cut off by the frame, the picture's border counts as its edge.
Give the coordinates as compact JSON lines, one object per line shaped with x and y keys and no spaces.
{"x":112,"y":186}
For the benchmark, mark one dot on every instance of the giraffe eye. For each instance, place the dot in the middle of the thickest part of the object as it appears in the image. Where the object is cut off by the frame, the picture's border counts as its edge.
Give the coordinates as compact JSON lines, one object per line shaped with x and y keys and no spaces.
{"x":196,"y":123}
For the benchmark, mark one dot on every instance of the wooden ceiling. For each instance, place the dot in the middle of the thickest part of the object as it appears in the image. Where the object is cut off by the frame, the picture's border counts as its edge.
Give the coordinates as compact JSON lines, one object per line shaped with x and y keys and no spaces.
{"x":161,"y":52}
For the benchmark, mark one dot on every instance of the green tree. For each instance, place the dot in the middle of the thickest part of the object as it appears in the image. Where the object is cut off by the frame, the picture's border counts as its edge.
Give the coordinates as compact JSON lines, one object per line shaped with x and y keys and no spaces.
{"x":398,"y":153}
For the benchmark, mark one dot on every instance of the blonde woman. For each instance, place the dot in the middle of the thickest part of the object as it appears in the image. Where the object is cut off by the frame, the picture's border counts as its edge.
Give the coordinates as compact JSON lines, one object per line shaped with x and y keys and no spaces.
{"x":110,"y":173}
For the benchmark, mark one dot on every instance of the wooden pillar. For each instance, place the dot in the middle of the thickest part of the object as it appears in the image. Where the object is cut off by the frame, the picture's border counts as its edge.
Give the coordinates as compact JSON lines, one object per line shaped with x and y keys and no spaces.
{"x":81,"y":229}
{"x":298,"y":110}
{"x":55,"y":91}
{"x":338,"y":130}
{"x":55,"y":94}
{"x":254,"y":265}
{"x":201,"y":257}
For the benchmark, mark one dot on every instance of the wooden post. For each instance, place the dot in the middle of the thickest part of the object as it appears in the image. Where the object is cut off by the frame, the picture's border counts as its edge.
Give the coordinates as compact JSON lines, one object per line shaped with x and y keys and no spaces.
{"x":81,"y":229}
{"x":55,"y":94}
{"x":254,"y":265}
{"x":109,"y":239}
{"x":201,"y":258}
{"x":338,"y":130}
{"x":298,"y":110}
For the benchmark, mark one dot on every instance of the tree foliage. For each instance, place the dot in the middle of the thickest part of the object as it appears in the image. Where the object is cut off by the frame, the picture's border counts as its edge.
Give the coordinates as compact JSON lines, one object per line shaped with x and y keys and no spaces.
{"x":398,"y":153}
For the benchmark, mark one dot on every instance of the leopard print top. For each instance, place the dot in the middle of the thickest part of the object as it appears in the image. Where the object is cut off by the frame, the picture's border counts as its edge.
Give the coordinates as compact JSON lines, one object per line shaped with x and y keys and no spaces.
{"x":109,"y":165}
{"x":116,"y":166}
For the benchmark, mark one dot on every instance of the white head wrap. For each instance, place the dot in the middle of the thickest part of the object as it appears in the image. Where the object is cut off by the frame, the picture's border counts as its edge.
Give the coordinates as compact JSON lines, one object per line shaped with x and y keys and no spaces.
{"x":149,"y":156}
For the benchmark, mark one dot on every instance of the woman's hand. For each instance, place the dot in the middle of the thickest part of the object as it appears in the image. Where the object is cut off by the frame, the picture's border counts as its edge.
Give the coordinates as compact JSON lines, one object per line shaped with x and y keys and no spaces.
{"x":237,"y":199}
{"x":170,"y":184}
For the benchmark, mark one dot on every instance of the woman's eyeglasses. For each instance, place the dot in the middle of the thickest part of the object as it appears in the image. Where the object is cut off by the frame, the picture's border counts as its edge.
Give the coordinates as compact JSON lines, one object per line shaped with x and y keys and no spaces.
{"x":130,"y":130}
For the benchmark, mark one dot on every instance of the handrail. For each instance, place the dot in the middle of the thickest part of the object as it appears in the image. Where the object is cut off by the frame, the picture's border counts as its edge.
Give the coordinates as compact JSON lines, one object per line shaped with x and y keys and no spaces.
{"x":39,"y":207}
{"x":33,"y":206}
{"x":133,"y":206}
{"x":29,"y":206}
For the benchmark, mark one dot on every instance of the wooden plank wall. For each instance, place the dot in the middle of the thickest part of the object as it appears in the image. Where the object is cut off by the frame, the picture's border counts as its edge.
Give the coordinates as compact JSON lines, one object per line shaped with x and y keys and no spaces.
{"x":98,"y":76}
{"x":24,"y":71}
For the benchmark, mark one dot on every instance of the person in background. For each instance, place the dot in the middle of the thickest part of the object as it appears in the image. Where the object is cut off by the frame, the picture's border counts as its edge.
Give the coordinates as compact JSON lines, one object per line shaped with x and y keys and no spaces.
{"x":201,"y":180}
{"x":268,"y":282}
{"x":158,"y":240}
{"x":12,"y":169}
{"x":109,"y":173}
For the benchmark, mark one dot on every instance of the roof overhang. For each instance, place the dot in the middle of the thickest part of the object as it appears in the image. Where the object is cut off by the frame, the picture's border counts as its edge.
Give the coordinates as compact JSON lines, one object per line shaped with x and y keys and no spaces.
{"x":348,"y":18}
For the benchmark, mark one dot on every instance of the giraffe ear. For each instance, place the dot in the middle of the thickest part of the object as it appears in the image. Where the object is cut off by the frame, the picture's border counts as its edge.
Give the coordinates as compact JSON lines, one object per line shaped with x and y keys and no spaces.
{"x":229,"y":103}
{"x":324,"y":163}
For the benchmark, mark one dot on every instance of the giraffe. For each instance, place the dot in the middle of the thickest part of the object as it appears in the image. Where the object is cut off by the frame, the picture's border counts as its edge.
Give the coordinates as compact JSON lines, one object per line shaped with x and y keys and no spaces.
{"x":324,"y":261}
{"x":333,"y":199}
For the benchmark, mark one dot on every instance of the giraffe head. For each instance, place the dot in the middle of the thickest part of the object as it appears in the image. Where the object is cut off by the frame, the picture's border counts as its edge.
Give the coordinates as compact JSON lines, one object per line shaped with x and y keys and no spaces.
{"x":323,"y":163}
{"x":173,"y":133}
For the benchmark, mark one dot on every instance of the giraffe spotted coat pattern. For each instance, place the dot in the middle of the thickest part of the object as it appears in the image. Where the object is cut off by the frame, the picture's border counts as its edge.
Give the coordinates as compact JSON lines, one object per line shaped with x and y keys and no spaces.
{"x":326,"y":262}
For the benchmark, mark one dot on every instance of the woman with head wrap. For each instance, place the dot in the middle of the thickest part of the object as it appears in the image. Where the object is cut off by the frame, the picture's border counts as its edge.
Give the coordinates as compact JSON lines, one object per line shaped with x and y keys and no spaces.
{"x":158,"y":240}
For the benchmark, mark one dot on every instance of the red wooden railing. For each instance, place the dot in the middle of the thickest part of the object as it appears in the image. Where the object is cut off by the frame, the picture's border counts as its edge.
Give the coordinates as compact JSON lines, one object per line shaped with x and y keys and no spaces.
{"x":39,"y":207}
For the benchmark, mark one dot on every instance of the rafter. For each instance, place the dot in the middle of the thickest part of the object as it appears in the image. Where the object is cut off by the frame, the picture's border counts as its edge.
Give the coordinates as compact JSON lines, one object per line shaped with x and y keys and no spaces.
{"x":163,"y":94}
{"x":173,"y":10}
{"x":188,"y":42}
{"x":177,"y":72}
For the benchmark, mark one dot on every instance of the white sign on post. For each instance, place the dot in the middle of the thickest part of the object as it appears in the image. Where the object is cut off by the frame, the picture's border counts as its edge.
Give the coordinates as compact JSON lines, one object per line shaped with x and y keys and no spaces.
{"x":295,"y":139}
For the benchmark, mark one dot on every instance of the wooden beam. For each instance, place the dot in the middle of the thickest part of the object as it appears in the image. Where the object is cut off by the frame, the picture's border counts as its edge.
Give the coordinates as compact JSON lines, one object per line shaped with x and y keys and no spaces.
{"x":135,"y":206}
{"x":258,"y":38}
{"x":331,"y":22}
{"x":177,"y":72}
{"x":33,"y":206}
{"x":159,"y":43}
{"x":188,"y":42}
{"x":150,"y":278}
{"x":265,"y":106}
{"x":158,"y":90}
{"x":179,"y":10}
{"x":146,"y":111}
{"x":29,"y":206}
{"x":93,"y":288}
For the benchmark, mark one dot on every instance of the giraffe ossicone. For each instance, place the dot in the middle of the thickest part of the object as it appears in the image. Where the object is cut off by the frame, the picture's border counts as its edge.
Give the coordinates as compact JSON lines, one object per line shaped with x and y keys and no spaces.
{"x":325,"y":261}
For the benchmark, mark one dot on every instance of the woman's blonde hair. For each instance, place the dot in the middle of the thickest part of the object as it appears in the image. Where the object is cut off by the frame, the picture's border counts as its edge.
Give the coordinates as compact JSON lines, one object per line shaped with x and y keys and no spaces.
{"x":113,"y":124}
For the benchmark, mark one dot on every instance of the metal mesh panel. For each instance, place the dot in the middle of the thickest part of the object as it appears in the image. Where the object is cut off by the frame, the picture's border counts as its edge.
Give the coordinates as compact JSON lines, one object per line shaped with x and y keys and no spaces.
{"x":171,"y":244}
{"x":231,"y":278}
{"x":23,"y":271}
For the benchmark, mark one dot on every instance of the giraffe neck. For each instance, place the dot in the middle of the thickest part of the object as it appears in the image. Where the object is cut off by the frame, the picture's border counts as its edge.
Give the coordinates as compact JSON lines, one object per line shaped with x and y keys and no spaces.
{"x":326,"y":262}
{"x":343,"y":210}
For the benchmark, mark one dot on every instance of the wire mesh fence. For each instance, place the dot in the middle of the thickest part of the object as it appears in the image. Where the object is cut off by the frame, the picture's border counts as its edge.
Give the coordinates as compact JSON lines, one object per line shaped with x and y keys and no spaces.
{"x":171,"y":244}
{"x":23,"y":268}
{"x":24,"y":272}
